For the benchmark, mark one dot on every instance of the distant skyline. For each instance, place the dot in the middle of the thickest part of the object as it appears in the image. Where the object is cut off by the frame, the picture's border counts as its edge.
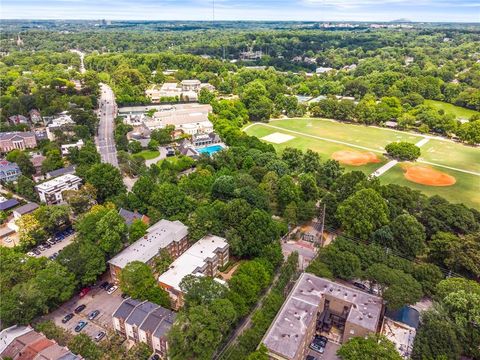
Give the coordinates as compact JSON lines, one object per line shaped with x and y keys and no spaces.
{"x":306,"y":10}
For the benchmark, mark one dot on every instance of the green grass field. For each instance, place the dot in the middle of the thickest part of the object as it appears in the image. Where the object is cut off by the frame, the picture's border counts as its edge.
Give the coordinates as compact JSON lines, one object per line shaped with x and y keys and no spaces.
{"x":307,"y":134}
{"x":458,"y":111}
{"x":466,"y":190}
{"x":149,"y":154}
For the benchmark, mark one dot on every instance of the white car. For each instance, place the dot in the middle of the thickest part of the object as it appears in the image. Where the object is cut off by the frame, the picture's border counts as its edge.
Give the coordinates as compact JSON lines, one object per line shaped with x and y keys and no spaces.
{"x":30,"y":253}
{"x":112,"y":290}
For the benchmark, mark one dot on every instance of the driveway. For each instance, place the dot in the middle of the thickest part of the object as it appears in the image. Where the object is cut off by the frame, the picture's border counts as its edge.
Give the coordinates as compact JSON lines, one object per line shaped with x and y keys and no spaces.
{"x":96,"y":299}
{"x":330,"y":352}
{"x":306,"y":251}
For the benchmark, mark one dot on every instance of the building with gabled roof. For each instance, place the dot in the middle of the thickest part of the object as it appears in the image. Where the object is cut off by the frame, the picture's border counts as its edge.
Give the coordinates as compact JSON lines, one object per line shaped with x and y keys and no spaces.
{"x":17,"y":140}
{"x":144,"y":322}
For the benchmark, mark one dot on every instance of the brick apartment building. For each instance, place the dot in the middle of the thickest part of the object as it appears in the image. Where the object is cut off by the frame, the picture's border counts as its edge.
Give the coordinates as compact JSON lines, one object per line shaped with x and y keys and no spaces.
{"x":169,"y":235}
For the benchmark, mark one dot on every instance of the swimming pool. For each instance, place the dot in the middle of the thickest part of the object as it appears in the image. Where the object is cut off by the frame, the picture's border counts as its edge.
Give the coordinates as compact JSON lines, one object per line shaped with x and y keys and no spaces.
{"x":212,"y":149}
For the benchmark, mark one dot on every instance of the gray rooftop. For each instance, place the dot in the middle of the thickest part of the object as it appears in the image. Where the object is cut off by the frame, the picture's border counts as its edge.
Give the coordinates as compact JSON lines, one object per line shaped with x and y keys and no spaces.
{"x":11,"y":135}
{"x":158,"y":236}
{"x":140,"y":312}
{"x":287,"y":331}
{"x":129,"y":216}
{"x":158,"y":322}
{"x":62,"y":171}
{"x":27,"y":208}
{"x":125,"y":308}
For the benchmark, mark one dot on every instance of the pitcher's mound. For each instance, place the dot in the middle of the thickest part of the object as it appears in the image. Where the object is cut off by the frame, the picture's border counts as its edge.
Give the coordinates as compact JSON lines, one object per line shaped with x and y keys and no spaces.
{"x":427,"y":176}
{"x":355,"y":158}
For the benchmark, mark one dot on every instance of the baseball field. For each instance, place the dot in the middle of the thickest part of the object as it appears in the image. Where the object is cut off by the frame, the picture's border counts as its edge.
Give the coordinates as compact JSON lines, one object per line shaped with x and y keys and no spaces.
{"x":446,"y":168}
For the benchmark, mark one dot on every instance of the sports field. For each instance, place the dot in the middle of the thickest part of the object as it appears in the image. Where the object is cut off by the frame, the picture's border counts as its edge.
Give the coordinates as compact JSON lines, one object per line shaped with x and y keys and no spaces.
{"x":459,"y":112}
{"x":341,"y":141}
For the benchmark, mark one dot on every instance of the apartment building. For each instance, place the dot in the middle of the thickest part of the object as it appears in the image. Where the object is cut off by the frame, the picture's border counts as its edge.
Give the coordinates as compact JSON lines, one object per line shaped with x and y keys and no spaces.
{"x":318,"y":306}
{"x":17,"y":140}
{"x":202,"y":259}
{"x":169,"y":235}
{"x":144,"y":322}
{"x":50,"y":192}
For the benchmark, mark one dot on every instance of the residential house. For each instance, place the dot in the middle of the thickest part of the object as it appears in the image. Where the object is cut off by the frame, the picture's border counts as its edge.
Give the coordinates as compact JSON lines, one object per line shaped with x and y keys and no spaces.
{"x":9,"y":171}
{"x":144,"y":322}
{"x":190,"y":85}
{"x":66,"y":147}
{"x":24,"y":343}
{"x":59,"y":172}
{"x":35,"y":116}
{"x":320,"y":306}
{"x":6,"y":204}
{"x":169,"y":235}
{"x":50,"y":192}
{"x":37,"y":161}
{"x":18,"y":119}
{"x":323,"y":70}
{"x":17,"y":140}
{"x":24,"y":209}
{"x":202,"y":259}
{"x":62,"y":122}
{"x":205,"y":139}
{"x":130,"y":216}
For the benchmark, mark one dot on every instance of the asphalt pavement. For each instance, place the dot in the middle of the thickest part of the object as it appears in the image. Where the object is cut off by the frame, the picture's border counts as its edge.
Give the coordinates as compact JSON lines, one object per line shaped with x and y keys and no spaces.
{"x":105,"y":140}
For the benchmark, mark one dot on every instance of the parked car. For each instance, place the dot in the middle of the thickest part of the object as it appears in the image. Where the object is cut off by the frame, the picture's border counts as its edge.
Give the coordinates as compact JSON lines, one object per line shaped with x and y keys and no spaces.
{"x":81,"y":324}
{"x":36,"y":252}
{"x":104,"y":285}
{"x":84,"y":291}
{"x":360,"y":286}
{"x":310,"y":357}
{"x":318,"y":344}
{"x":55,"y":255}
{"x":100,"y":336}
{"x":155,"y":357}
{"x":80,"y":308}
{"x":112,"y":290}
{"x":41,"y":247}
{"x":51,"y":241}
{"x":125,"y":296}
{"x":46,"y":245}
{"x":67,"y":318}
{"x":93,"y":314}
{"x":30,"y":253}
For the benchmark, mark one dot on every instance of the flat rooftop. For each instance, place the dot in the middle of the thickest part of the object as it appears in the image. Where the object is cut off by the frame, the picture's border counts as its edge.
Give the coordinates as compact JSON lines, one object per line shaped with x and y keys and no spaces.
{"x":287,"y":331}
{"x":58,"y":181}
{"x":158,"y":236}
{"x":181,"y":115}
{"x":191,"y":260}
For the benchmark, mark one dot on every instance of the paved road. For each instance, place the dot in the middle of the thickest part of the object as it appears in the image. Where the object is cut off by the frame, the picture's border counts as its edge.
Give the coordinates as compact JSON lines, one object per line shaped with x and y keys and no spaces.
{"x":104,"y":140}
{"x":82,"y":55}
{"x":57,"y":247}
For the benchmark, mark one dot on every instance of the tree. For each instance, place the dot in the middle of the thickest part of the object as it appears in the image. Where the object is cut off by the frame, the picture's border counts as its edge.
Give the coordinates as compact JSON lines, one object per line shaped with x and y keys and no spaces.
{"x":375,"y":347}
{"x":455,"y":284}
{"x":134,"y":146}
{"x":25,"y":164}
{"x":153,"y":145}
{"x":287,"y":192}
{"x":81,"y":200}
{"x":403,"y":151}
{"x":170,"y":200}
{"x":83,"y":259}
{"x":363,"y":213}
{"x":254,"y":96}
{"x":162,"y":261}
{"x":136,"y":230}
{"x":163,"y":136}
{"x":53,"y":161}
{"x":137,"y":280}
{"x":205,"y":96}
{"x":26,"y":188}
{"x":343,"y":264}
{"x":82,"y":344}
{"x":52,"y":217}
{"x":436,"y":338}
{"x":404,"y":234}
{"x":428,"y":275}
{"x":30,"y":231}
{"x":107,"y":181}
{"x":56,"y":283}
{"x":201,"y":290}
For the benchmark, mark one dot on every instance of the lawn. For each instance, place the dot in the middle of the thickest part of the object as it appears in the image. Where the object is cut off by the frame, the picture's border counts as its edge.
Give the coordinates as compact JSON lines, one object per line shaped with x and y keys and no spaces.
{"x":452,"y":154}
{"x":306,"y":134}
{"x":458,"y":111}
{"x":149,"y":154}
{"x":466,"y":190}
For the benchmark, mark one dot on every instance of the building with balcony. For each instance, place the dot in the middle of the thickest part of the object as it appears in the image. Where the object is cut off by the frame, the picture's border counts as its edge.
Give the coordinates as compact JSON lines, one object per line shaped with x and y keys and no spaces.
{"x":169,"y":235}
{"x":318,"y":306}
{"x":202,"y":259}
{"x":50,"y":192}
{"x":144,"y":322}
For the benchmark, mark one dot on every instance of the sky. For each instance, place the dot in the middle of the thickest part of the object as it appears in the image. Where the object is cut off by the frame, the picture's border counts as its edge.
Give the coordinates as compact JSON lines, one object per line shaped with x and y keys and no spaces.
{"x":306,"y":10}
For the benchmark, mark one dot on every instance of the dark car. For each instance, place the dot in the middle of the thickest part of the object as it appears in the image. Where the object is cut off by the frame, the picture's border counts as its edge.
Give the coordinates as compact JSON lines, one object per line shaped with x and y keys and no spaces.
{"x":93,"y":314}
{"x":360,"y":285}
{"x":318,"y":344}
{"x":104,"y":285}
{"x":81,"y":324}
{"x":310,"y":357}
{"x":155,"y":357}
{"x":109,"y":286}
{"x":100,"y":336}
{"x":36,"y":252}
{"x":79,"y":308}
{"x":125,"y":296}
{"x":67,"y":318}
{"x":322,"y":340}
{"x":46,"y":245}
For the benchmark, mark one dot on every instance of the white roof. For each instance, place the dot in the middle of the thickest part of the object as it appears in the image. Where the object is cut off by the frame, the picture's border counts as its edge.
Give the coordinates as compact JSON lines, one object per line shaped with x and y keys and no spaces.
{"x":191,"y":82}
{"x":57,"y":182}
{"x":194,"y":258}
{"x":158,"y":236}
{"x":10,"y":334}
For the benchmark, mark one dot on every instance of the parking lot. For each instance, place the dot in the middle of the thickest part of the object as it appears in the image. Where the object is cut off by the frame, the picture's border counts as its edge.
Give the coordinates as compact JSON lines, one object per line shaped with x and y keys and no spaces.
{"x":96,"y":299}
{"x":330,"y":352}
{"x":57,"y":247}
